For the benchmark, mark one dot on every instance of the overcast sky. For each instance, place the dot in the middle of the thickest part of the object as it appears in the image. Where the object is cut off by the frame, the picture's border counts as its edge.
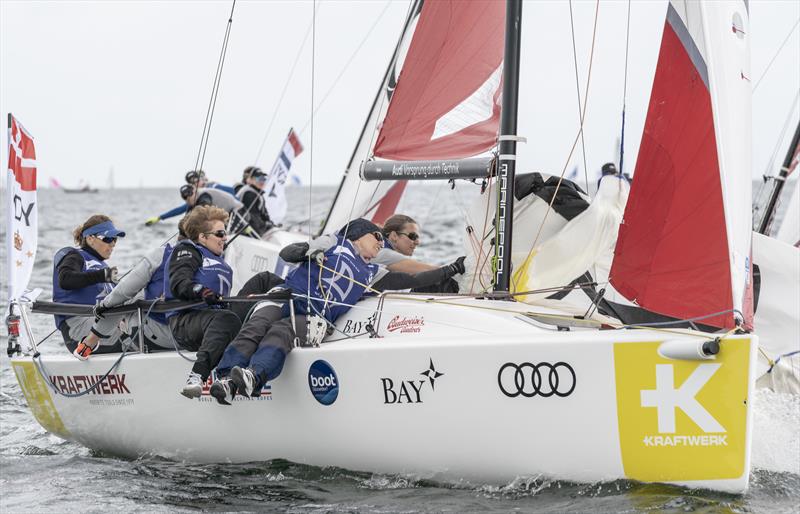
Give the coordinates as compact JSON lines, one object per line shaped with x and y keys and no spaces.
{"x":126,"y":84}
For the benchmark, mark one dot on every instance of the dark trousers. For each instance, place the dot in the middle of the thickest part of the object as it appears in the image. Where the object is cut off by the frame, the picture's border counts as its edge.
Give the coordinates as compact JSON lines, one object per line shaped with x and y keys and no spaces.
{"x":206,"y":331}
{"x":263,"y":343}
{"x":259,"y":283}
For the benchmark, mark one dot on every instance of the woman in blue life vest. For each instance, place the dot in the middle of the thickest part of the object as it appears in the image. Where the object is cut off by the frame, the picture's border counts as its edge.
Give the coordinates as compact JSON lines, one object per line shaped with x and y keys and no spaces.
{"x":338,"y":278}
{"x":197,"y":271}
{"x":146,"y":280}
{"x":81,"y":276}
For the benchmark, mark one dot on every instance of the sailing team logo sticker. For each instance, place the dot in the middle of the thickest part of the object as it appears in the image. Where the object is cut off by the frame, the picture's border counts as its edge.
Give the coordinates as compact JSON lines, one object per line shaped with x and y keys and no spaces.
{"x":682,"y":419}
{"x":323,"y":382}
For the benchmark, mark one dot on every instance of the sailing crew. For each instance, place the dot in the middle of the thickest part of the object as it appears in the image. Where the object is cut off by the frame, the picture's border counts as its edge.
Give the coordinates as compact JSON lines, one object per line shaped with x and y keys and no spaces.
{"x":338,"y":278}
{"x":255,"y":206}
{"x":401,"y":237}
{"x":193,"y":178}
{"x":148,"y":277}
{"x":245,"y":175}
{"x":81,"y":276}
{"x":197,"y":271}
{"x":199,"y":179}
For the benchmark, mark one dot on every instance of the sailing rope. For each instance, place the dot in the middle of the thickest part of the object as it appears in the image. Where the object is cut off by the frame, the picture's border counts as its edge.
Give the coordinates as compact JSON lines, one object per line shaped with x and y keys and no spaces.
{"x":578,"y":89}
{"x":311,"y":141}
{"x":212,"y":103}
{"x":624,"y":92}
{"x":283,"y":92}
{"x":574,"y":143}
{"x":776,"y":54}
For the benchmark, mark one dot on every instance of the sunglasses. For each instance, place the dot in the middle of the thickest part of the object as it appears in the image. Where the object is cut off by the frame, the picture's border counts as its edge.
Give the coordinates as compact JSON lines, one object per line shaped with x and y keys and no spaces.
{"x":218,"y":233}
{"x":411,"y":235}
{"x":107,"y":240}
{"x":378,"y":236}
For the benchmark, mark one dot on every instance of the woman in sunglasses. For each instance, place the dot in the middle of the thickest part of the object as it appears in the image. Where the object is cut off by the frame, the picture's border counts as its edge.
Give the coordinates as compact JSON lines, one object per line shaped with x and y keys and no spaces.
{"x":196,"y":271}
{"x":338,"y":278}
{"x":81,"y":276}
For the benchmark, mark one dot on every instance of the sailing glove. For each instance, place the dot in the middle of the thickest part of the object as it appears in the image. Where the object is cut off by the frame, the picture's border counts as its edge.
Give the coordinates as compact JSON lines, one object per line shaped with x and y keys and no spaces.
{"x":457,"y":267}
{"x":99,"y":311}
{"x":152,"y":221}
{"x":210,"y":297}
{"x":317,"y":256}
{"x":112,"y":275}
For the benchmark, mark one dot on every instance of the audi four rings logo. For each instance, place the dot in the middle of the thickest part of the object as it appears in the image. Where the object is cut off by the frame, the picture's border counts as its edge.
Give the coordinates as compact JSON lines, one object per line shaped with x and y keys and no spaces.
{"x":544,"y":379}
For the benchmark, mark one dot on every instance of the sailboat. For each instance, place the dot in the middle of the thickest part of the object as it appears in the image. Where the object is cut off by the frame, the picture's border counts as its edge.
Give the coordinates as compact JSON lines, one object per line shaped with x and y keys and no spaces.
{"x":482,"y":386}
{"x":82,"y":187}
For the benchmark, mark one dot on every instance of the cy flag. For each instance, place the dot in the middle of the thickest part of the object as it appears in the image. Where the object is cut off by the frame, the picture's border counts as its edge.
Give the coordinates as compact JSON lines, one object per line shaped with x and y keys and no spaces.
{"x":276,"y":182}
{"x":21,"y":202}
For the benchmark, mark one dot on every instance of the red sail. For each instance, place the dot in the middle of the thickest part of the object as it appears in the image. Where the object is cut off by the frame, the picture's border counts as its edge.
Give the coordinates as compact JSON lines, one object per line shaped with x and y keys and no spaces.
{"x":446,"y":104}
{"x":672,"y":251}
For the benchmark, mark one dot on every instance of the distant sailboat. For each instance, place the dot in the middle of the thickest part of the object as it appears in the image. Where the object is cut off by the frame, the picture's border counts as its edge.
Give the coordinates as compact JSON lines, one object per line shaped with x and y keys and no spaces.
{"x":83,"y":187}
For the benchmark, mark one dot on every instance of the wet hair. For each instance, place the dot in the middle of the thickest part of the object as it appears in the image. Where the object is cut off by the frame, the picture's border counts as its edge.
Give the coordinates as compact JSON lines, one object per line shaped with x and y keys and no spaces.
{"x":396,"y":223}
{"x":94,"y":219}
{"x":200,"y":218}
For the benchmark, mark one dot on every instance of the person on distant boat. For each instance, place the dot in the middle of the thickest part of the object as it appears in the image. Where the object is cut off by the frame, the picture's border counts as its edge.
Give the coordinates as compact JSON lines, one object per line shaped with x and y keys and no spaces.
{"x":610,"y":169}
{"x":255,"y":207}
{"x":81,"y":276}
{"x":339,"y":277}
{"x":148,"y":277}
{"x":197,"y":271}
{"x":193,"y":178}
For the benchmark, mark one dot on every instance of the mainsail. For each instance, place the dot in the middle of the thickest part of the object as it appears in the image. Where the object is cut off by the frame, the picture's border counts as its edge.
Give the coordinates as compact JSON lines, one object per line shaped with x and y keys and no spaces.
{"x":447,"y":69}
{"x":684,"y":244}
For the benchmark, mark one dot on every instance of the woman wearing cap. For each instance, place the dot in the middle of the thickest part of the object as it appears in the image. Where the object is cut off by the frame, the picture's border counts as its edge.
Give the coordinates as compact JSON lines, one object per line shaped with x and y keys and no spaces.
{"x":81,"y":276}
{"x":401,"y":237}
{"x":196,"y":271}
{"x":338,"y":279}
{"x":255,"y":207}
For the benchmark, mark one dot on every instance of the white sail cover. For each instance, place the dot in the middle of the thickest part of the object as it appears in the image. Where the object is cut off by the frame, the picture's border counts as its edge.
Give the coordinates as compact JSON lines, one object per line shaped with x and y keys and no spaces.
{"x":684,"y":244}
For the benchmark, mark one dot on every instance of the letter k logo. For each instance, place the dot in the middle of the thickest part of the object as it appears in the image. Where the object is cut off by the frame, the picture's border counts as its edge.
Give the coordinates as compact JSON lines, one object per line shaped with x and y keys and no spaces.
{"x":666,"y":398}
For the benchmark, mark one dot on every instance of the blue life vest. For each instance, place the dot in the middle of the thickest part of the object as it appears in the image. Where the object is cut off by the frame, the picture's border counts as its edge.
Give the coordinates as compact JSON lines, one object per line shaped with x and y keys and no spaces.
{"x":342,"y":289}
{"x":214,"y":274}
{"x":88,"y":295}
{"x":155,"y":288}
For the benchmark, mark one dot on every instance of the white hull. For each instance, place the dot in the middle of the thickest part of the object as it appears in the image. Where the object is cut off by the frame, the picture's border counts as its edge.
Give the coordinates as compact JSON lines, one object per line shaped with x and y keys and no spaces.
{"x":388,"y":416}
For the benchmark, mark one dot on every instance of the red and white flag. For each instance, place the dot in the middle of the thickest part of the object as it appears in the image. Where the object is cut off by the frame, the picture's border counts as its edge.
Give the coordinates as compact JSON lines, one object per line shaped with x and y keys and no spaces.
{"x":21,"y":202}
{"x":276,"y":181}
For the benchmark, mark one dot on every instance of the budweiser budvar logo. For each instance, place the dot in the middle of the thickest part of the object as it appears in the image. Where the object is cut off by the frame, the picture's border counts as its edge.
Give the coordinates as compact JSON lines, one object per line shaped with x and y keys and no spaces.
{"x":405,"y":325}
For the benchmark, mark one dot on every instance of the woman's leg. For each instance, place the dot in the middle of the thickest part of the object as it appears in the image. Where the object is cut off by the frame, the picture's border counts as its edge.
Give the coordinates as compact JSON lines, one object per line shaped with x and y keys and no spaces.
{"x":246,"y":342}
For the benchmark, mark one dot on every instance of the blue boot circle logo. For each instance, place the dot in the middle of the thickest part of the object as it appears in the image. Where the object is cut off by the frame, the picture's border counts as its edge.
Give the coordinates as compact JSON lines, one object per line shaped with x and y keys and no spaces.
{"x":323,"y":382}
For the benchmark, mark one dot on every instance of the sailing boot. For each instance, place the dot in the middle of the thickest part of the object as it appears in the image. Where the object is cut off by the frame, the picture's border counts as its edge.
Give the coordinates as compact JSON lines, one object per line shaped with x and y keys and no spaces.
{"x":224,"y":390}
{"x":83,"y":350}
{"x":244,"y":379}
{"x":194,"y":386}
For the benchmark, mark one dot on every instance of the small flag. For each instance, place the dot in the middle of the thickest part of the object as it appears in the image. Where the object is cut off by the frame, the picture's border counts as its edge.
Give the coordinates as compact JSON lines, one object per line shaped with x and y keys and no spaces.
{"x":275,"y":195}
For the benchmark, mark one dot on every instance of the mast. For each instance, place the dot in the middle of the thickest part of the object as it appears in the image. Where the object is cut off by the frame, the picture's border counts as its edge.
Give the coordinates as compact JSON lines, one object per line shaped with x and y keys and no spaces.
{"x":778,"y":183}
{"x":508,"y":145}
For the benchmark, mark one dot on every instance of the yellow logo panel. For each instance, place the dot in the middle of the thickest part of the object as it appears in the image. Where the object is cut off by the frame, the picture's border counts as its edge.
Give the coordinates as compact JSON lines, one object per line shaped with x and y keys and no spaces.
{"x":39,"y":400}
{"x":679,"y":419}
